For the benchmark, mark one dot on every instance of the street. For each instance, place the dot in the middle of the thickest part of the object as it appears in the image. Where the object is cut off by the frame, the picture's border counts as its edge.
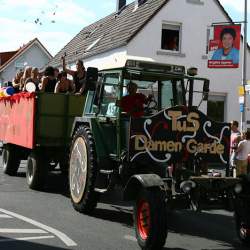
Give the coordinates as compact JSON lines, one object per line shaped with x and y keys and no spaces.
{"x":46,"y":220}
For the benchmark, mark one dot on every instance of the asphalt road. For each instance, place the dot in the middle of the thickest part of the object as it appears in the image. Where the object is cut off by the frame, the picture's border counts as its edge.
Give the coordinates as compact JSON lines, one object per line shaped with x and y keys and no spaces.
{"x":31,"y":220}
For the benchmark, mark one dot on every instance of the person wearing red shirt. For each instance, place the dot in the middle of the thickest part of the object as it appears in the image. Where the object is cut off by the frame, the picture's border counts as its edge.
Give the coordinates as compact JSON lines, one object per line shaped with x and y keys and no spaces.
{"x":133,"y":103}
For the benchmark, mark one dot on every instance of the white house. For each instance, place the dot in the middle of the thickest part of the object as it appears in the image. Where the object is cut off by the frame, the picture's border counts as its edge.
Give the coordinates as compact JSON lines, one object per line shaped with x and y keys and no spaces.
{"x":32,"y":54}
{"x":139,"y":29}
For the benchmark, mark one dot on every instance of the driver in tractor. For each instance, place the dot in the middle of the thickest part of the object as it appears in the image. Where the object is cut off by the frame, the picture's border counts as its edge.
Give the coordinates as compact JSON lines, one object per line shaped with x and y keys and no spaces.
{"x":133,"y":103}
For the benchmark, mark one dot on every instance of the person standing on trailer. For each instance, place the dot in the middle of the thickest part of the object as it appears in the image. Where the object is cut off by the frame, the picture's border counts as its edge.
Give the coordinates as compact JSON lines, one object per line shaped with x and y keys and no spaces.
{"x":79,"y":76}
{"x":48,"y":81}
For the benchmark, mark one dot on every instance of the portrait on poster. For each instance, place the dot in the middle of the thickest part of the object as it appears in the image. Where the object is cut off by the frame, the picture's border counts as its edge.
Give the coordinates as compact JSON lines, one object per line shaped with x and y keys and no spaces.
{"x":224,"y":46}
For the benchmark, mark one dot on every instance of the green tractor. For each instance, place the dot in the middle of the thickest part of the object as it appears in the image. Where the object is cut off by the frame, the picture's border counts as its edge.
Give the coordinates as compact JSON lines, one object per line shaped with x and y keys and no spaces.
{"x":159,"y":159}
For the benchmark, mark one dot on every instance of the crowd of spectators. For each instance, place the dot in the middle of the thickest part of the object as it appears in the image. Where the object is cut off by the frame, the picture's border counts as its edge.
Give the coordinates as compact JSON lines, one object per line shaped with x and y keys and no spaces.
{"x":240,"y":149}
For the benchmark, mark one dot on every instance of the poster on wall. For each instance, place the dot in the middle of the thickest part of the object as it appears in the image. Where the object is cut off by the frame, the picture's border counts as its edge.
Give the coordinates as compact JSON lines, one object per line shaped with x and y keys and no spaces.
{"x":224,"y":46}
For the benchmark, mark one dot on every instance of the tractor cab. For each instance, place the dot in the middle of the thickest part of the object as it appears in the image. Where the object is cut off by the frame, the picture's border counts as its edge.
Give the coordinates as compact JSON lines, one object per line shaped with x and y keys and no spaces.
{"x":167,"y":85}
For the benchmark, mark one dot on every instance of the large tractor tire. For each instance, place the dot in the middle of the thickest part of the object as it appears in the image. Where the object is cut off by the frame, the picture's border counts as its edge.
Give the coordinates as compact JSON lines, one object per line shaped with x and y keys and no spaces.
{"x":83,"y":171}
{"x":150,"y":217}
{"x":10,"y":160}
{"x":36,"y":171}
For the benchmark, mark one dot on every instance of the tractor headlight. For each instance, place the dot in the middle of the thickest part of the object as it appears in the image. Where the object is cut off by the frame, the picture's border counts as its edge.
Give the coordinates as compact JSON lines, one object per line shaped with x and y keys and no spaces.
{"x":238,"y":188}
{"x":186,"y":186}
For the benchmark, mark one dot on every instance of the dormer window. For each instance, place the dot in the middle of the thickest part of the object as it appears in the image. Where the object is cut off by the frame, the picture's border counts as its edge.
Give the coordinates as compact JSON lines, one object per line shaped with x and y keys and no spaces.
{"x":170,"y":39}
{"x":93,"y":44}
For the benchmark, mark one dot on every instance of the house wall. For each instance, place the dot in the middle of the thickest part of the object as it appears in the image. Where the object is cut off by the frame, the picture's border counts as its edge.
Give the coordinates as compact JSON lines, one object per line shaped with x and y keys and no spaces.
{"x":195,"y":19}
{"x":114,"y":59}
{"x":34,"y":57}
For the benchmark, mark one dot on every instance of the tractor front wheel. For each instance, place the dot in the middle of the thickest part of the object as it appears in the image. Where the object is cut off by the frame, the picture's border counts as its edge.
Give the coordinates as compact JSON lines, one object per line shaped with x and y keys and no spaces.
{"x":150,"y":217}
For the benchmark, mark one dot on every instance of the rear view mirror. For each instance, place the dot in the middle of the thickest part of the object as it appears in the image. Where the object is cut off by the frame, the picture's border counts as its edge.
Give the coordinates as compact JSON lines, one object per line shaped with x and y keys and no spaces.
{"x":91,"y":78}
{"x":205,"y":90}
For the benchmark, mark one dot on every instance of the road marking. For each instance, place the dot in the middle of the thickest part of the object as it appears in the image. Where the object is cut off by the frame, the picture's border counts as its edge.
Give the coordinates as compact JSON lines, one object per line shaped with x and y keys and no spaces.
{"x":63,"y":237}
{"x":22,"y":230}
{"x":28,"y":238}
{"x":130,"y":237}
{"x":5,"y":216}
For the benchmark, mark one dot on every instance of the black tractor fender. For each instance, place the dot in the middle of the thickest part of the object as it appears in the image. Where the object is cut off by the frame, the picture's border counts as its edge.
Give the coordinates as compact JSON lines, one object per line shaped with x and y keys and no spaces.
{"x":136,"y":182}
{"x":79,"y":121}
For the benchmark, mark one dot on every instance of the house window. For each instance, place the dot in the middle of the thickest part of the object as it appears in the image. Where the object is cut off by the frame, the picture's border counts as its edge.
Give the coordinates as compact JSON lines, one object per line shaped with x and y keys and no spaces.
{"x":198,"y":2}
{"x":216,"y":108}
{"x":170,"y":39}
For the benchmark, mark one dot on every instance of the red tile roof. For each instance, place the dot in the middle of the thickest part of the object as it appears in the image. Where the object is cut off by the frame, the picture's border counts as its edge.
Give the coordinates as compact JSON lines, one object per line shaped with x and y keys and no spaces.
{"x":5,"y":56}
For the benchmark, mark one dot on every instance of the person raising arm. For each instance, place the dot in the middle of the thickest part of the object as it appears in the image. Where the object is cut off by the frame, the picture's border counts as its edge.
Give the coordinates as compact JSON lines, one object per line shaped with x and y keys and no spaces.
{"x":78,"y":75}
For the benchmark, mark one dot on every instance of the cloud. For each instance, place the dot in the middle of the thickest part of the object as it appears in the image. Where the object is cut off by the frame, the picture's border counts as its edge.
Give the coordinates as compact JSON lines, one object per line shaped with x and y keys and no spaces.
{"x":17,"y":18}
{"x":111,"y":4}
{"x":23,"y":3}
{"x":71,"y":13}
{"x":61,"y":11}
{"x":14,"y":34}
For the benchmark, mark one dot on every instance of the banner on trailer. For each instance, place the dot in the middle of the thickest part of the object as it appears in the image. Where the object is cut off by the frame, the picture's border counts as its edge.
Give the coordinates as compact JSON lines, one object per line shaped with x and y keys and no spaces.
{"x":224,"y":46}
{"x":17,"y":119}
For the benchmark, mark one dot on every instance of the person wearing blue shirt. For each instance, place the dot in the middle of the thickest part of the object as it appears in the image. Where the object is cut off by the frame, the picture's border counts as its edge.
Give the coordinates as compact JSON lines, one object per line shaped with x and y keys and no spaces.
{"x":228,"y":52}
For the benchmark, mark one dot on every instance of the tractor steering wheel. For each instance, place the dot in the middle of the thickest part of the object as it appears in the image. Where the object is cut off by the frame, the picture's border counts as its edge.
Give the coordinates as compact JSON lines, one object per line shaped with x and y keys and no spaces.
{"x":151,"y":106}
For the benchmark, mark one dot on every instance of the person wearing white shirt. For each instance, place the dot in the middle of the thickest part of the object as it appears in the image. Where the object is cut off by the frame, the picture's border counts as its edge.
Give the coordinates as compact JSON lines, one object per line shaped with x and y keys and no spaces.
{"x":242,"y":152}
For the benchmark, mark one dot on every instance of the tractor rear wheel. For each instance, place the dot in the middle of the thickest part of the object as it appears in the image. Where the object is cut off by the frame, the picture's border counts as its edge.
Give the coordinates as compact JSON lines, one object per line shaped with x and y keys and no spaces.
{"x":83,"y":171}
{"x":10,"y":160}
{"x":150,"y":217}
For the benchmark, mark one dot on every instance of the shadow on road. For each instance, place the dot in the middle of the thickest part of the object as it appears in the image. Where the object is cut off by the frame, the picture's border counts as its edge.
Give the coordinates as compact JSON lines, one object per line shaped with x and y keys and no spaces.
{"x":216,"y":227}
{"x":165,"y":248}
{"x":57,"y":183}
{"x":21,"y":174}
{"x":123,"y":217}
{"x":9,"y":244}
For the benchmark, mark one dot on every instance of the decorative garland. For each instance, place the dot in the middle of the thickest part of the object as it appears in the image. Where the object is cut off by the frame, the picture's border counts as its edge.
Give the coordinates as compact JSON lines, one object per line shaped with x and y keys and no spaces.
{"x":17,"y":97}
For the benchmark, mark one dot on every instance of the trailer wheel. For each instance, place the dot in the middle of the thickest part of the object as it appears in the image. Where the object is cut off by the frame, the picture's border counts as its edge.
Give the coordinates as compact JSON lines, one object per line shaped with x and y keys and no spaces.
{"x":10,"y":160}
{"x":83,"y":171}
{"x":36,"y":171}
{"x":150,"y":217}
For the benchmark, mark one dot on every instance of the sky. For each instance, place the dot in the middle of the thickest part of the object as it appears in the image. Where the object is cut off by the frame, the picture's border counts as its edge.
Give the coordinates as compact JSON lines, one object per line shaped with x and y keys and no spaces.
{"x":56,"y":22}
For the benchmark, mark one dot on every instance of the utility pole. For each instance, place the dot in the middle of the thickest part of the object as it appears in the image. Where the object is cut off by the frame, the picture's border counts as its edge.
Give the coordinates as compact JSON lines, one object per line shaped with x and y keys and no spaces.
{"x":244,"y":80}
